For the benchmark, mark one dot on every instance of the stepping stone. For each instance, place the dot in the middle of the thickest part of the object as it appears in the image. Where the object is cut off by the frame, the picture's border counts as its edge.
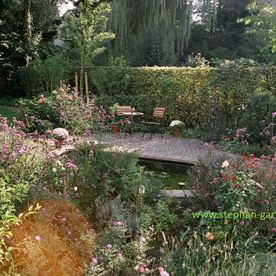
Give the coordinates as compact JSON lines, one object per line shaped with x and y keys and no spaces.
{"x":178,"y":193}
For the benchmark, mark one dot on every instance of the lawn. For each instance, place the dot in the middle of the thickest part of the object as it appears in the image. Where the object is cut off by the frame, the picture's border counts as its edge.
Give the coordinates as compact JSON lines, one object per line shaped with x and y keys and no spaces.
{"x":8,"y":113}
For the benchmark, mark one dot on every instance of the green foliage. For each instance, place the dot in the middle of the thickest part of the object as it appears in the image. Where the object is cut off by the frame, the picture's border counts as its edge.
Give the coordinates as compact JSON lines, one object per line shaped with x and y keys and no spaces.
{"x":119,"y":253}
{"x":87,"y":30}
{"x":203,"y":96}
{"x":25,"y":26}
{"x":62,"y":108}
{"x":192,"y":255}
{"x":98,"y":174}
{"x":11,"y":194}
{"x":8,"y":113}
{"x":262,"y":24}
{"x":257,"y":116}
{"x":237,"y":192}
{"x":43,"y":76}
{"x":150,"y":32}
{"x":164,"y":217}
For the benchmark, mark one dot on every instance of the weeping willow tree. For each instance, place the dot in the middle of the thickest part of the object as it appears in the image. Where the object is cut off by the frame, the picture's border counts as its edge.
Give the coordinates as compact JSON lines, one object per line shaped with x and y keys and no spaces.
{"x":152,"y":32}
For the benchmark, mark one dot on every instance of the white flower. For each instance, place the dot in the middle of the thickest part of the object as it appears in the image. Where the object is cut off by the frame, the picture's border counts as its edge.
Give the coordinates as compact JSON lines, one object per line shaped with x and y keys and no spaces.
{"x":225,"y":164}
{"x":59,"y":163}
{"x":54,"y":170}
{"x":75,"y":188}
{"x":176,"y":123}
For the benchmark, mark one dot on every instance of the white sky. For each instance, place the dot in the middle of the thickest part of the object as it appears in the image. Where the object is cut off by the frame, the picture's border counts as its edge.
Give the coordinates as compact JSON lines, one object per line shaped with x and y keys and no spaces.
{"x":64,"y":7}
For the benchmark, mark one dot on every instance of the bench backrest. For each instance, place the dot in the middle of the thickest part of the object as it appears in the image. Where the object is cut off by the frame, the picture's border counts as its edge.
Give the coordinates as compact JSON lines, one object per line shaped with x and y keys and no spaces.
{"x":122,"y":109}
{"x":159,"y":112}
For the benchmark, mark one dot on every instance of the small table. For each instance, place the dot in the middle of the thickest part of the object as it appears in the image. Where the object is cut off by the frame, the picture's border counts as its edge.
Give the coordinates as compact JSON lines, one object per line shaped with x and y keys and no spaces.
{"x":131,"y":115}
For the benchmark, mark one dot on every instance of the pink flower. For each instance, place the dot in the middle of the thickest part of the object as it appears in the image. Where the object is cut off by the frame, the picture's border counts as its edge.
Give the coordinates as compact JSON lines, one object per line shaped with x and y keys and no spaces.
{"x":242,"y":223}
{"x":38,"y":238}
{"x":21,"y":150}
{"x":120,"y":255}
{"x":141,"y":269}
{"x":118,"y":223}
{"x":162,"y":271}
{"x":109,"y":246}
{"x":273,"y":114}
{"x":273,"y":230}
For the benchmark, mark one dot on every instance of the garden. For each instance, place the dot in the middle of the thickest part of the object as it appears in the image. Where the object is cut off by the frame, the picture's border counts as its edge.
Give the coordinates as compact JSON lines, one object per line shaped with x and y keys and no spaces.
{"x":71,"y":205}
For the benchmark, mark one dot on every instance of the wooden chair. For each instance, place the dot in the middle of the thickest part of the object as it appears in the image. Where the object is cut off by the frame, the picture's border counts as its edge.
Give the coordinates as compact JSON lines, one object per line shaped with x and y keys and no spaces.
{"x":155,"y":125}
{"x":122,"y":109}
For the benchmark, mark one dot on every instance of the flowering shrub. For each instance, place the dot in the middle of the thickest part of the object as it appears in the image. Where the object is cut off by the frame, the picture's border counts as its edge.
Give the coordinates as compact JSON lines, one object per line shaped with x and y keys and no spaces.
{"x":102,"y":174}
{"x":12,"y":142}
{"x":117,"y":252}
{"x":20,"y":164}
{"x":63,"y":108}
{"x":205,"y":180}
{"x":215,"y":180}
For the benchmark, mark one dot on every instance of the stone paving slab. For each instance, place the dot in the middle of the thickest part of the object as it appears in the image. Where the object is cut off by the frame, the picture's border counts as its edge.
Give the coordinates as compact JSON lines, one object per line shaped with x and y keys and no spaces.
{"x":177,"y":193}
{"x":166,"y":148}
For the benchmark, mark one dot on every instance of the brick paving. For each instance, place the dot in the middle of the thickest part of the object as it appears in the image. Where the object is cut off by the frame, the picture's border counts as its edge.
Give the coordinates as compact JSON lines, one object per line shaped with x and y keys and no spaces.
{"x":166,"y":148}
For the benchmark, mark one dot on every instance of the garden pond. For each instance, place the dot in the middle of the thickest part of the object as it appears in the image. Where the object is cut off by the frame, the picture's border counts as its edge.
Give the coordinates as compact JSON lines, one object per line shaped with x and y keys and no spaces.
{"x":167,"y":175}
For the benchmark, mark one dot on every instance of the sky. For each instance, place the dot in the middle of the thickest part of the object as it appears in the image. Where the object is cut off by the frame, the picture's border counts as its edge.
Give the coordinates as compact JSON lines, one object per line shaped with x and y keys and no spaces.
{"x":64,"y":7}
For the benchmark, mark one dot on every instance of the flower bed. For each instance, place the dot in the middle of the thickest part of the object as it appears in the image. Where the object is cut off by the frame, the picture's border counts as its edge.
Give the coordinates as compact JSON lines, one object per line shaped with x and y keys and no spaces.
{"x":139,"y":230}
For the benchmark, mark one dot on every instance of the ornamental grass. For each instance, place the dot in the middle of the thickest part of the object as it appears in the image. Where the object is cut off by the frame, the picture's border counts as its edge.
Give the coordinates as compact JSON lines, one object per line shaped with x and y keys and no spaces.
{"x":56,"y":241}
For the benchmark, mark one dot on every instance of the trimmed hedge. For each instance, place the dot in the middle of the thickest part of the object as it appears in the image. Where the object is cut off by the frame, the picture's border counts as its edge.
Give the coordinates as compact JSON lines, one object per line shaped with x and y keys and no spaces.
{"x":196,"y":96}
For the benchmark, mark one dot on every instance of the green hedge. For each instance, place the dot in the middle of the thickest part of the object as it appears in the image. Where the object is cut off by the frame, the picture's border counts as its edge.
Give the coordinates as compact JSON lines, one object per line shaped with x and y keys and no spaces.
{"x":197,"y":96}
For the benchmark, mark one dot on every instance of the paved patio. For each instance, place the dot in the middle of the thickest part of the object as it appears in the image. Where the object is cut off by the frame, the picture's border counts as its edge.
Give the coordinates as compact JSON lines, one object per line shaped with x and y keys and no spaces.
{"x":166,"y":148}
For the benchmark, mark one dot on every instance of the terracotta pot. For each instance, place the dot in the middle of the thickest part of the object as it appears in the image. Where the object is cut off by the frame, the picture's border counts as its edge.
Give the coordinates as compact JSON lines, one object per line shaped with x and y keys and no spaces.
{"x":176,"y":133}
{"x":115,"y":128}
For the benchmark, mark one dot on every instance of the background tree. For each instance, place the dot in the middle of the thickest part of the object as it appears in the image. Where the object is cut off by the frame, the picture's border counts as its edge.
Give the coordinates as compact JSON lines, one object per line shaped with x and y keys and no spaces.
{"x":86,"y":28}
{"x":215,"y":31}
{"x":261,"y":24}
{"x":150,"y":32}
{"x":26,"y":26}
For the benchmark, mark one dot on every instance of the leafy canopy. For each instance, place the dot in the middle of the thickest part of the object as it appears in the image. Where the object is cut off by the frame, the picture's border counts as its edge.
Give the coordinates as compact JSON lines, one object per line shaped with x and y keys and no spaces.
{"x":262,"y":23}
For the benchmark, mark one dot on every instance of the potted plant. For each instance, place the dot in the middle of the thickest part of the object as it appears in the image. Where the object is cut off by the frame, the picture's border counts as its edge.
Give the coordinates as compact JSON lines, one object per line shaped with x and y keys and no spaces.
{"x":176,"y":128}
{"x":115,"y":128}
{"x":114,"y":125}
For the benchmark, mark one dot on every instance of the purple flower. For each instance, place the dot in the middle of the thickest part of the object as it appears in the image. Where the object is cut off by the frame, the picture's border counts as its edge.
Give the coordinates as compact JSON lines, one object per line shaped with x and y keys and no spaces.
{"x":70,"y":165}
{"x":94,"y":261}
{"x":109,"y":246}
